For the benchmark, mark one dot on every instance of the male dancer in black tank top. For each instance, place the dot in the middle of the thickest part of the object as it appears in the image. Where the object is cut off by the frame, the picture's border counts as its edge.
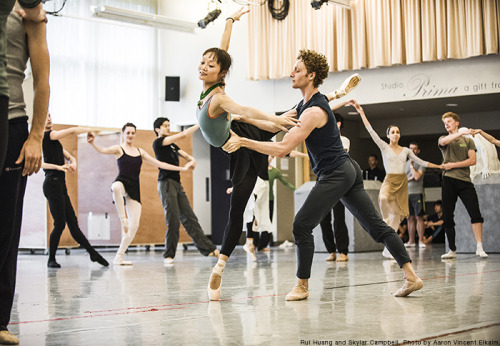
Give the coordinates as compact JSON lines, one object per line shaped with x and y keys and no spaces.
{"x":339,"y":176}
{"x":55,"y":190}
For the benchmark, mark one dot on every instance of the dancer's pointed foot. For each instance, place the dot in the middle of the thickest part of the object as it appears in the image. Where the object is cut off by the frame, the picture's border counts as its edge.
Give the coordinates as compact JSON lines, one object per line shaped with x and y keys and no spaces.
{"x":214,"y":253}
{"x":96,"y":257}
{"x":347,"y":86}
{"x":332,"y":257}
{"x":120,"y":261}
{"x":215,"y":283}
{"x":250,"y":249}
{"x":53,"y":264}
{"x":299,"y":292}
{"x":409,"y":287}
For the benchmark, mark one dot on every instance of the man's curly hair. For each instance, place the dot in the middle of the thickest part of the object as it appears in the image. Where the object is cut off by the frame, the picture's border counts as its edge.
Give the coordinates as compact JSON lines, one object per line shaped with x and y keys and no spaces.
{"x":314,"y":62}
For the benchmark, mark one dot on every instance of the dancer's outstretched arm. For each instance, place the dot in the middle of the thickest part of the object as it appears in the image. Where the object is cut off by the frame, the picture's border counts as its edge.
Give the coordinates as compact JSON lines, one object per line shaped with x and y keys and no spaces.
{"x":226,"y":35}
{"x":178,"y":136}
{"x":488,"y":137}
{"x":224,"y":102}
{"x":58,"y":134}
{"x":311,"y":118}
{"x":112,"y":150}
{"x":167,"y":166}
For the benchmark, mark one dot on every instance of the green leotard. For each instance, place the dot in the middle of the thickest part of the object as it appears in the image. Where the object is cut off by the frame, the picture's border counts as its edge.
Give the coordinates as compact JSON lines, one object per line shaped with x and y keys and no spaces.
{"x":215,"y":130}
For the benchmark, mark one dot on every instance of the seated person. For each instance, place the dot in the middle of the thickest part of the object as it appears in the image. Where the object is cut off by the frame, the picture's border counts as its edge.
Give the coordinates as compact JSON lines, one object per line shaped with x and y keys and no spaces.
{"x":434,"y":226}
{"x":403,"y":231}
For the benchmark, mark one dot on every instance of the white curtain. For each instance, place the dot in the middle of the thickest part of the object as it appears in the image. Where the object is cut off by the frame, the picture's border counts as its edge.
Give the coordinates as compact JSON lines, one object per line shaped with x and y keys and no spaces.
{"x":103,"y":73}
{"x":372,"y":33}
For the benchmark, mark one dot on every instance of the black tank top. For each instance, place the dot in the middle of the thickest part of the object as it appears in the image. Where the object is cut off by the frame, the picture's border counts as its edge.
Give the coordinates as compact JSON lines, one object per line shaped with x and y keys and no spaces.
{"x":129,"y":167}
{"x":52,"y":153}
{"x":324,"y":145}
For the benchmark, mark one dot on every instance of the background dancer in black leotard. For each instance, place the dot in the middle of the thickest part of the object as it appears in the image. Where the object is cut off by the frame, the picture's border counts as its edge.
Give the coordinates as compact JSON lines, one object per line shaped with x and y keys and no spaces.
{"x":126,"y":186}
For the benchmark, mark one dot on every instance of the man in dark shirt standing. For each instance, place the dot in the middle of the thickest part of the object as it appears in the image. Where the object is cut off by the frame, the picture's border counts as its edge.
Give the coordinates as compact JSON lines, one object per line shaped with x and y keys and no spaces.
{"x":373,"y":172}
{"x":173,"y":198}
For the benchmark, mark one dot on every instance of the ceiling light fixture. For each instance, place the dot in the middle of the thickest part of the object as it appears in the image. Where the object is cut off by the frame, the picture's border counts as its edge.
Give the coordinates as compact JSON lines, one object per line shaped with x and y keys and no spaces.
{"x":451,"y":104}
{"x":316,"y":4}
{"x":141,"y":18}
{"x":209,"y":18}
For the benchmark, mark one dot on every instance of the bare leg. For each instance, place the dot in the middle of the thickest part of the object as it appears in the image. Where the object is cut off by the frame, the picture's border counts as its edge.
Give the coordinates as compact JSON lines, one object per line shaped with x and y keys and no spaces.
{"x":420,"y":229}
{"x":411,"y":229}
{"x":477,"y":229}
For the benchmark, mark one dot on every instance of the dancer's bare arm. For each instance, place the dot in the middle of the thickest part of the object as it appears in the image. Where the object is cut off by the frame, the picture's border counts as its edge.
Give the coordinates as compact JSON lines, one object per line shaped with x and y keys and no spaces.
{"x":188,"y":158}
{"x":72,"y":161}
{"x":341,"y":104}
{"x":226,"y":36}
{"x":58,"y":134}
{"x":488,"y":137}
{"x":31,"y":152}
{"x":178,"y":136}
{"x":311,"y":118}
{"x":167,"y":166}
{"x":225,"y":103}
{"x":112,"y":150}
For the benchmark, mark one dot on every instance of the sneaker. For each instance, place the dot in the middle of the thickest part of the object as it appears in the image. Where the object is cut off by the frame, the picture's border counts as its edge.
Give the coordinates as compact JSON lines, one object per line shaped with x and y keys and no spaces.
{"x":168,"y":260}
{"x":387,"y":254}
{"x":449,"y":255}
{"x":410,"y":244}
{"x":7,"y":338}
{"x":347,"y":86}
{"x":481,"y":253}
{"x":332,"y":257}
{"x":342,"y":258}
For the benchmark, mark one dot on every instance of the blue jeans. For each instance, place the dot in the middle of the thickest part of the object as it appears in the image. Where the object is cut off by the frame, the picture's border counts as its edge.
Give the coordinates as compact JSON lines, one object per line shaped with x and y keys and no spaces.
{"x":345,"y":183}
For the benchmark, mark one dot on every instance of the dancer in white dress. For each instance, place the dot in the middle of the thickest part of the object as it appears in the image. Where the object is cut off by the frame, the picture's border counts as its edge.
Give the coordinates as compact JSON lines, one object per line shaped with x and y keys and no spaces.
{"x":393,"y":196}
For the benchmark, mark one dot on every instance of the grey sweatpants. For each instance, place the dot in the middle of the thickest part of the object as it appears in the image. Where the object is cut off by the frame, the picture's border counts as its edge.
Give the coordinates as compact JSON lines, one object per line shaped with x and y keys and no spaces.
{"x":177,"y":209}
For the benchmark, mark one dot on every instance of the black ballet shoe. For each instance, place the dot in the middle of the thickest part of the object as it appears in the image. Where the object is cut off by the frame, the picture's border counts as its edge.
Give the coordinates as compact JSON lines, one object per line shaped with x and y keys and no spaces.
{"x":53,"y":264}
{"x":96,"y":257}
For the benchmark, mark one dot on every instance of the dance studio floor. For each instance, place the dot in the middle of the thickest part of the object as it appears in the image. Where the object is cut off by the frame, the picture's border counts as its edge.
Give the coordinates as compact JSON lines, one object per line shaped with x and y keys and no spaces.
{"x":350,"y":303}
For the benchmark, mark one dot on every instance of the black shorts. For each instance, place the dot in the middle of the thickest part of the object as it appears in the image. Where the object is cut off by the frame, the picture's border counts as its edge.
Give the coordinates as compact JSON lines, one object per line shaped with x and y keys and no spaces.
{"x":416,"y":204}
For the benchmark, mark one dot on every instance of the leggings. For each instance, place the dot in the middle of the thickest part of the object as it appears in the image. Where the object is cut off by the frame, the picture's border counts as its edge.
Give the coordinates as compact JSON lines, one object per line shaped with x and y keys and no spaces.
{"x":54,"y":189}
{"x":239,"y":198}
{"x":345,"y":183}
{"x":134,"y":209}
